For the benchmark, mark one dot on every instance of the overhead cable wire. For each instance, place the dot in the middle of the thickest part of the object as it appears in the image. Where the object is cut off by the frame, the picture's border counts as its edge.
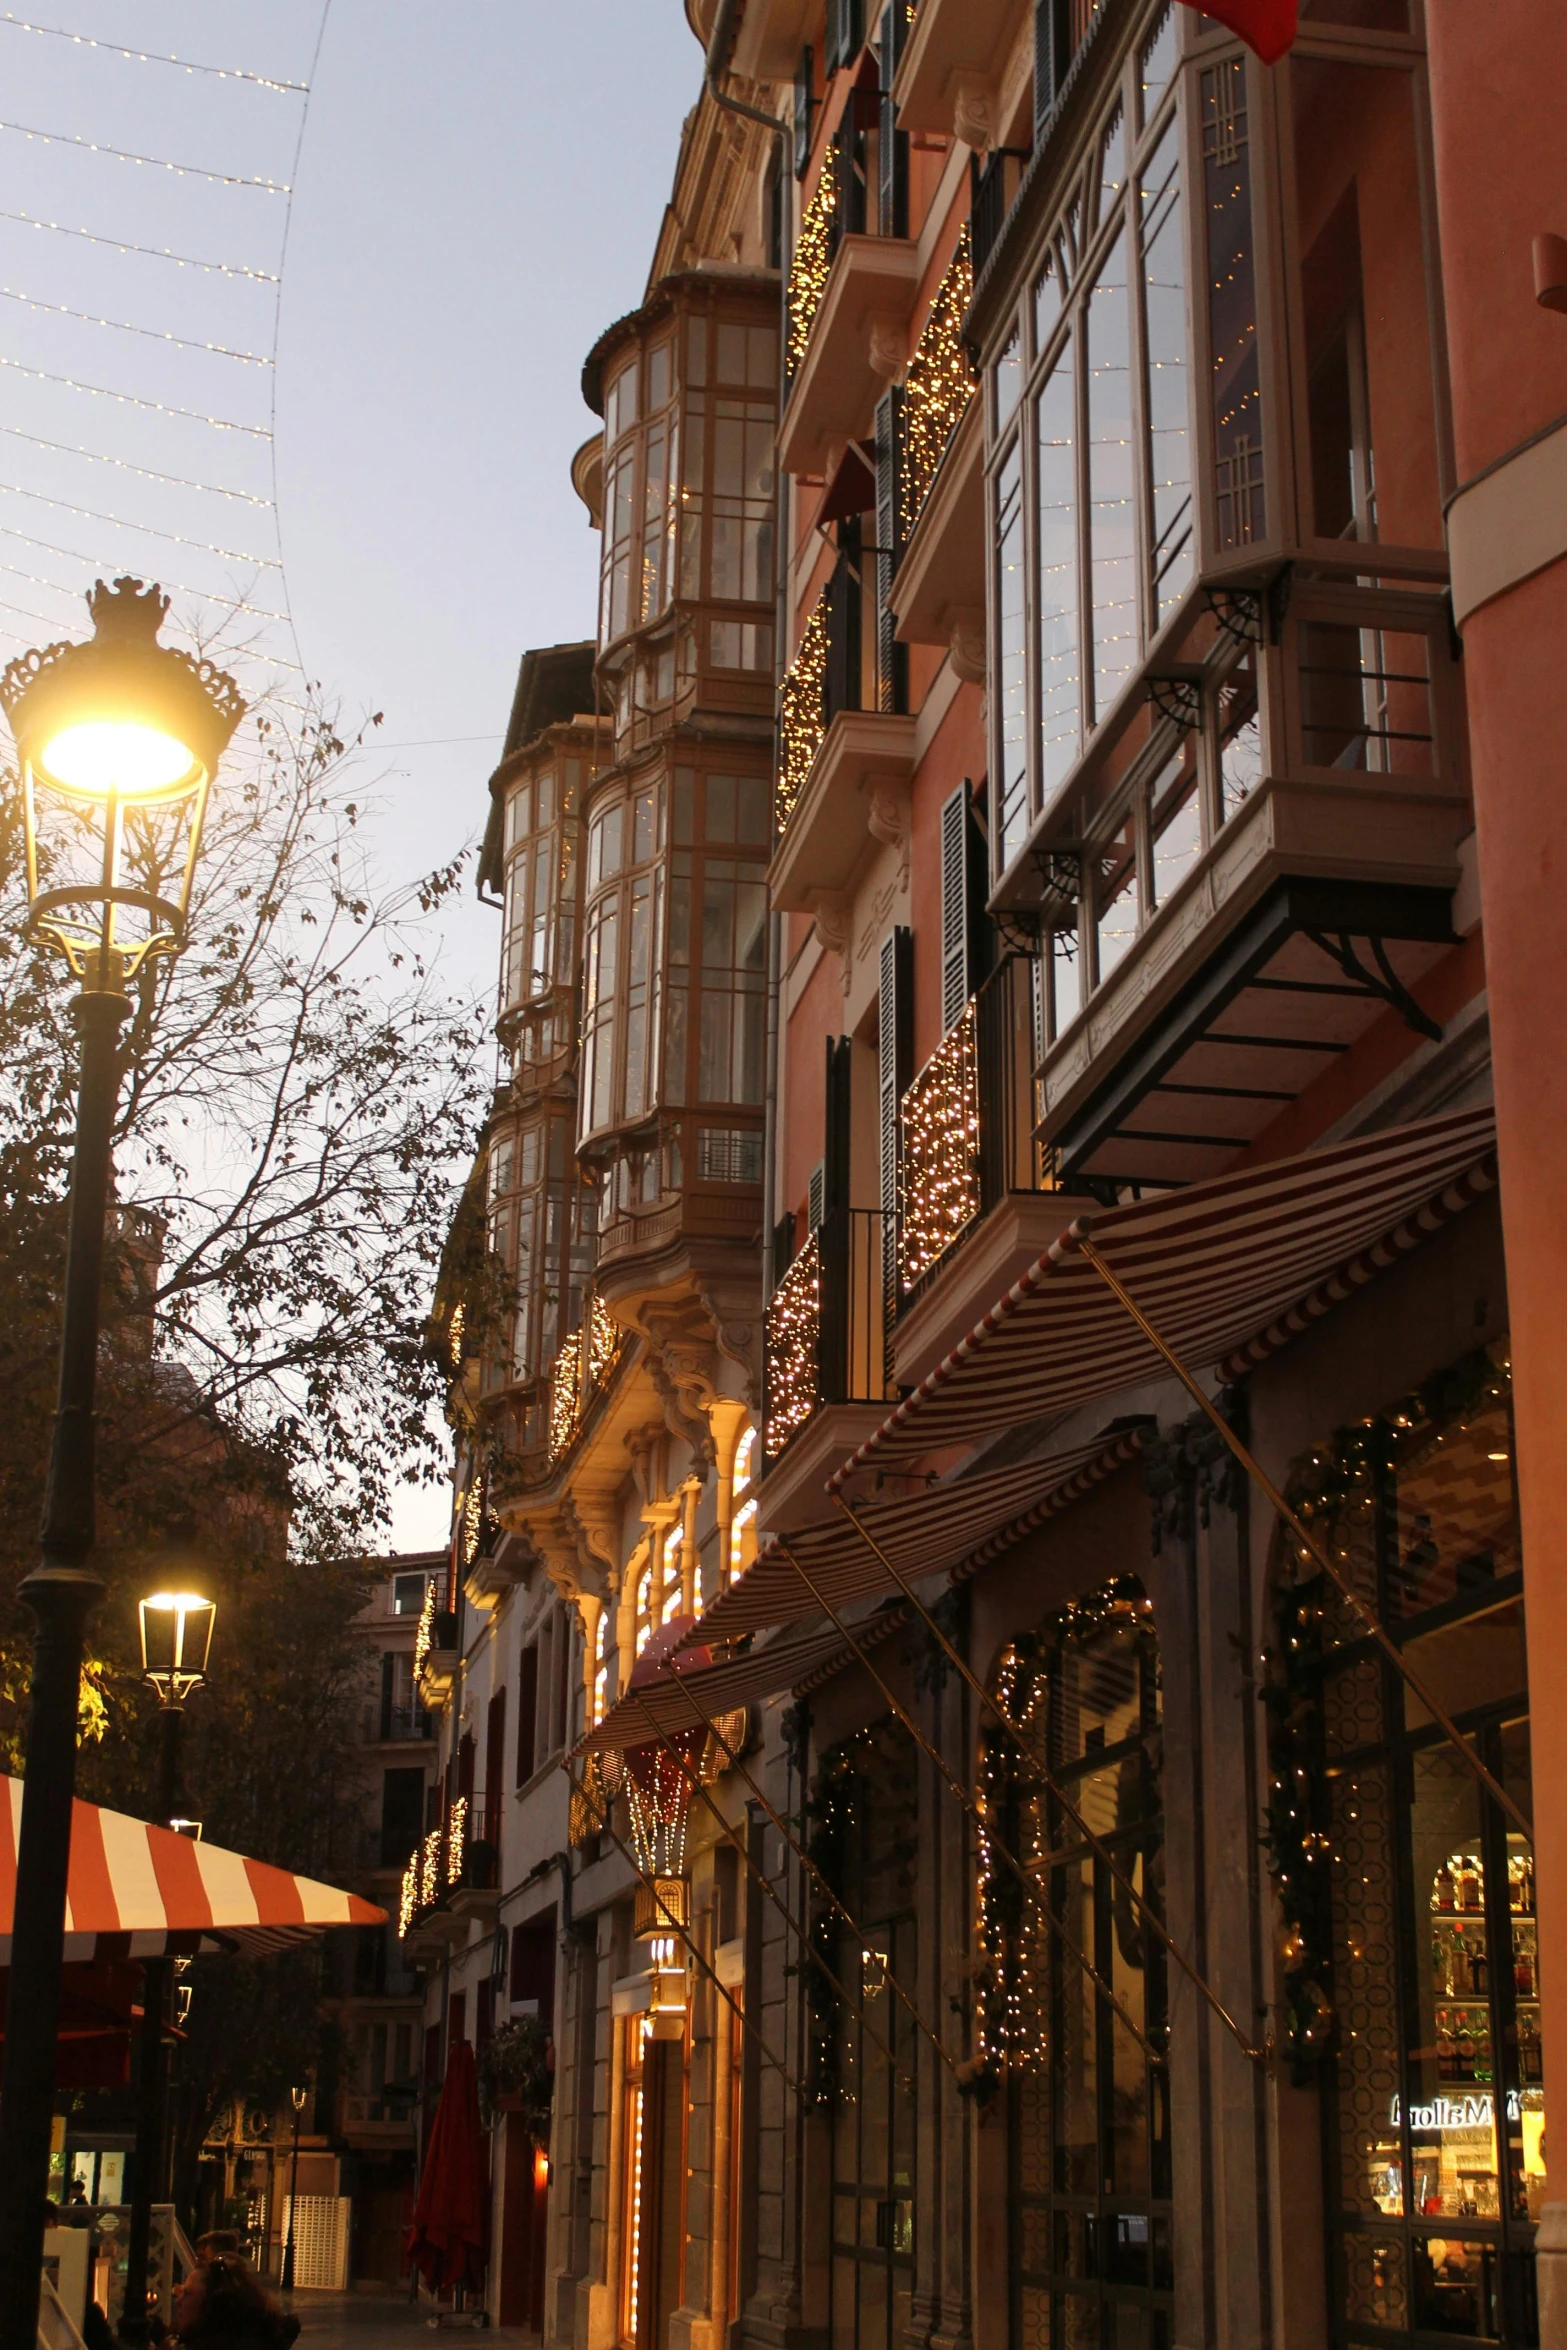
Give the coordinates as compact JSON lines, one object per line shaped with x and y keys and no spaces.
{"x":265,"y":277}
{"x":224,"y":73}
{"x":123,"y":326}
{"x":146,"y":529}
{"x":196,"y":171}
{"x":260,"y":432}
{"x":277,"y":320}
{"x":146,"y":472}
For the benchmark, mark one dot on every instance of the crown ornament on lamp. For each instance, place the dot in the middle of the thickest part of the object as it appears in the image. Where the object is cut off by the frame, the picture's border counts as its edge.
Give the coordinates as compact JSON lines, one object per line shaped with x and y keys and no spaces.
{"x":118,"y":738}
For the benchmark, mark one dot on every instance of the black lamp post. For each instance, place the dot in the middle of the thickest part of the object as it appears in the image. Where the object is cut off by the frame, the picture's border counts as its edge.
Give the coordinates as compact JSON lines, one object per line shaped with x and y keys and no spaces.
{"x":176,"y":1639}
{"x":118,"y":740}
{"x":298,"y":2097}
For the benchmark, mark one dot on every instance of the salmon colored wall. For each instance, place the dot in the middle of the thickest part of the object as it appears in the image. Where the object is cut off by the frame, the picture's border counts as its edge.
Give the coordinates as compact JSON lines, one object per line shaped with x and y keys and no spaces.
{"x":1502,"y":177}
{"x":803,"y":1109}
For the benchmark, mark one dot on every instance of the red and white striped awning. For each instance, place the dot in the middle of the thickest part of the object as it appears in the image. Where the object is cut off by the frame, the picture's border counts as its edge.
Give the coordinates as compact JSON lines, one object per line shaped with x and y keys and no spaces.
{"x":674,"y":1700}
{"x":136,"y":1891}
{"x":1211,"y":1266}
{"x":924,"y":1534}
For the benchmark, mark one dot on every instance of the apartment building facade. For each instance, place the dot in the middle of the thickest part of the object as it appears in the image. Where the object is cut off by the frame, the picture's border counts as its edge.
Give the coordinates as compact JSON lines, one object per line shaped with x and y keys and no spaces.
{"x":984,"y":1678}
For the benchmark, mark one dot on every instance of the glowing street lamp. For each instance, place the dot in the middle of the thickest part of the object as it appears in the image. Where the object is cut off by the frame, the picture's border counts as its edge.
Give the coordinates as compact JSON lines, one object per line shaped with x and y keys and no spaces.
{"x":176,"y":1639}
{"x":118,"y":739}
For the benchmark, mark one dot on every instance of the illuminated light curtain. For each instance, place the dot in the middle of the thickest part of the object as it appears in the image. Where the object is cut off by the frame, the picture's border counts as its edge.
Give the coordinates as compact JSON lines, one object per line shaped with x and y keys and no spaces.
{"x":1236,"y":388}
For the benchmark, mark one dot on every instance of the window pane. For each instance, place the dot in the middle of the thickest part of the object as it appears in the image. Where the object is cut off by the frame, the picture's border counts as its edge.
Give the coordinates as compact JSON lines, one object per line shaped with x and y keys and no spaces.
{"x":1057,"y":590}
{"x":1014,"y":808}
{"x":1158,"y":63}
{"x":1240,"y":737}
{"x":1112,"y":563}
{"x":1169,"y":443}
{"x":1177,"y":821}
{"x":1239,"y":500}
{"x":1066,"y":983}
{"x":1115,"y":897}
{"x":1009,"y":378}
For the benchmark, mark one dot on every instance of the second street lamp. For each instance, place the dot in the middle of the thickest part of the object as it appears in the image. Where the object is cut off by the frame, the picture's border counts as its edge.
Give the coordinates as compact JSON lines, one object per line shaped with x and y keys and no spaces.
{"x":118,"y":739}
{"x":176,"y":1640}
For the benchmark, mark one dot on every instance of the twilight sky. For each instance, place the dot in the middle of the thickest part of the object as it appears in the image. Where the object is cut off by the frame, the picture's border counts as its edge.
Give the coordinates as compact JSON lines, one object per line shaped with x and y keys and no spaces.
{"x":477,"y":193}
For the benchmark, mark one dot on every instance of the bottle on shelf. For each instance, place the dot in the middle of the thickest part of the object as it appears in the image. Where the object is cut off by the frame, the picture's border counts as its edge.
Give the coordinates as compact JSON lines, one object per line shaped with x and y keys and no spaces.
{"x":1477,"y":1966}
{"x":1530,"y":2067}
{"x":1443,"y":1890}
{"x":1446,"y":2052}
{"x":1523,"y":1969}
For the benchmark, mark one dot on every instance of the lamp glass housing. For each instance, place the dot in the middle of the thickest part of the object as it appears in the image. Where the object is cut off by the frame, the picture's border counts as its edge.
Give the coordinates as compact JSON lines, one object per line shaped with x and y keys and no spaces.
{"x":106,"y":758}
{"x":176,"y":1639}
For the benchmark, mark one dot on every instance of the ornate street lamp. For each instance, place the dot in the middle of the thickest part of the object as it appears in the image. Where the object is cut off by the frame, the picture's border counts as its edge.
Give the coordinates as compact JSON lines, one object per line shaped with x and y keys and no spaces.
{"x":118,"y":739}
{"x":298,"y":2096}
{"x":176,"y":1640}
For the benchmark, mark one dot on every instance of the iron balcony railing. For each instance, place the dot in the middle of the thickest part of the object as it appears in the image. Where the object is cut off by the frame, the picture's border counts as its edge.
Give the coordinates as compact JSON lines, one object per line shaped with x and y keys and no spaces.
{"x":844,"y":661}
{"x":938,"y":388}
{"x":580,"y":1370}
{"x":835,"y":209}
{"x":826,"y":1339}
{"x":967,"y":1126}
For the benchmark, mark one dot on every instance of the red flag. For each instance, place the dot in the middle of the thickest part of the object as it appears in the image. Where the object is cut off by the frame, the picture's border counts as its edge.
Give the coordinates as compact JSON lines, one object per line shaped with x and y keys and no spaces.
{"x":1268,"y":26}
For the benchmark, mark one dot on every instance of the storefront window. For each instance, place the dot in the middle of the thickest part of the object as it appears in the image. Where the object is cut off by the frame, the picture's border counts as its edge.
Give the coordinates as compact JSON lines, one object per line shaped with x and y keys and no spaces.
{"x":1434,"y":2094}
{"x":1087,"y":2106}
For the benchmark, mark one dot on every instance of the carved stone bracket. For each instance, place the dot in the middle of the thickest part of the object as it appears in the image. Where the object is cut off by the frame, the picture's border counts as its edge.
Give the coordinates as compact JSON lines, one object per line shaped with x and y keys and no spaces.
{"x":888,"y":819}
{"x":831,"y":910}
{"x":888,"y":346}
{"x":966,"y":648}
{"x":973,"y":113}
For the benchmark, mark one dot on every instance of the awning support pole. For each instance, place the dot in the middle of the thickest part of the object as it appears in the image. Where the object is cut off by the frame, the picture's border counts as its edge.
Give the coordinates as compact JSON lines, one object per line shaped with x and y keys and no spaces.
{"x":1025,"y":1878}
{"x":1037,"y":1762}
{"x":694,"y":1780}
{"x":806,"y":1862}
{"x":578,"y":1787}
{"x":1309,"y":1543}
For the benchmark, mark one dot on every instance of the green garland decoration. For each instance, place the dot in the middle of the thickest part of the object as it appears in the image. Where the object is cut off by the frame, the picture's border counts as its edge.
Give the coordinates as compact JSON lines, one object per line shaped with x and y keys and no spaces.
{"x":1297,"y":1835}
{"x":1009,"y":2031}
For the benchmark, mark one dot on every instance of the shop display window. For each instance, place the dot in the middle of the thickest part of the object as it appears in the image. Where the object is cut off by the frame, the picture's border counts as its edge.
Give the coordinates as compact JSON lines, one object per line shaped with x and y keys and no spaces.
{"x":1434,"y":2088}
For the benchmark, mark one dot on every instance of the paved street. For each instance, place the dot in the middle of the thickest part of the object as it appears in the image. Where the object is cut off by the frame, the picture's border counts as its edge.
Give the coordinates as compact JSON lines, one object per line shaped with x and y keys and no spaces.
{"x":371,"y":2321}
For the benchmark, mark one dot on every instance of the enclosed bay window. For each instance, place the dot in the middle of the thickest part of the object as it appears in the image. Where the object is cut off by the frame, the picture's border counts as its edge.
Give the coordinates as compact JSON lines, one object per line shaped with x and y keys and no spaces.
{"x":1091,"y":470}
{"x":542,"y":884}
{"x":541,"y":1232}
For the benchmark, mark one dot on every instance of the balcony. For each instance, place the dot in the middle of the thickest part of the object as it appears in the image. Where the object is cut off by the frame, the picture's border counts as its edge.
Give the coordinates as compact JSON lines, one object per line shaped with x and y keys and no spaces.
{"x":580,"y":1372}
{"x":1312,"y":907}
{"x":938,"y":589}
{"x":978,"y":1195}
{"x":850,"y":296}
{"x":825,"y":1377}
{"x":953,"y":62}
{"x":426,"y":1917}
{"x":702,"y":1180}
{"x":772,"y":33}
{"x":843,"y":769}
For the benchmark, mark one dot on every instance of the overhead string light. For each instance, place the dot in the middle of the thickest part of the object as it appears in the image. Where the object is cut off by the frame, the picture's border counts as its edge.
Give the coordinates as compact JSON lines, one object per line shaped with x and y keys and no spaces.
{"x":145,"y":472}
{"x":11,"y":489}
{"x":197,"y":171}
{"x":123,"y":326}
{"x":222,"y":73}
{"x":71,"y":383}
{"x":265,"y":277}
{"x":181,"y":587}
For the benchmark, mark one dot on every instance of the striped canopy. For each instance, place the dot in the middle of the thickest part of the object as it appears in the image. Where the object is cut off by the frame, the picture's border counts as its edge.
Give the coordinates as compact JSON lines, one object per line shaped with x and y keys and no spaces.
{"x":1211,"y":1266}
{"x":923,"y":1534}
{"x":136,"y":1891}
{"x":673,"y":1701}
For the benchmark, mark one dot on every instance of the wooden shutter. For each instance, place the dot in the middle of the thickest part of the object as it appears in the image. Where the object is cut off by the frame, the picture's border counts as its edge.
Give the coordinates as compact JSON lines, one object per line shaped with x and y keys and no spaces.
{"x":815,"y":1196}
{"x":835,"y":1128}
{"x":892,"y":658}
{"x":844,"y":594}
{"x":895,"y":1047}
{"x":802,"y":113}
{"x":955,"y":985}
{"x":527,"y":1711}
{"x":892,"y":145}
{"x":1046,"y":52}
{"x":494,"y":1766}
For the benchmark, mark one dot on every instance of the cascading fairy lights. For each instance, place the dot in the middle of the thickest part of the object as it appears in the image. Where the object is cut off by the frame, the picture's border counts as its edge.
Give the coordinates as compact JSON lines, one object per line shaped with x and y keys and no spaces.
{"x":802,"y":714}
{"x":425,"y":1636}
{"x":430,"y":1870}
{"x":808,"y":271}
{"x":408,"y":1898}
{"x":585,"y":1361}
{"x":793,"y":1328}
{"x":603,"y":1342}
{"x":456,"y":1838}
{"x":939,"y":1185}
{"x":939,"y":386}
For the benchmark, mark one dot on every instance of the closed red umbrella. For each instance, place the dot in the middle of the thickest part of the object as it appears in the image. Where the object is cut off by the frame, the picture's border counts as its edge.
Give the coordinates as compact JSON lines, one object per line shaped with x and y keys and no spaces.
{"x":449,"y":2240}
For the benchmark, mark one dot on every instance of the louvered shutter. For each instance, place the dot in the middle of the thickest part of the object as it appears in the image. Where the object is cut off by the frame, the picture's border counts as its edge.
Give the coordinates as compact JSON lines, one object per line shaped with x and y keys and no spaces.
{"x":892,"y":145}
{"x":844,"y":598}
{"x":892,"y":658}
{"x":1046,"y":14}
{"x":802,"y":113}
{"x":895,"y":1068}
{"x":816,"y":1196}
{"x":835,"y":1128}
{"x":955,"y":987}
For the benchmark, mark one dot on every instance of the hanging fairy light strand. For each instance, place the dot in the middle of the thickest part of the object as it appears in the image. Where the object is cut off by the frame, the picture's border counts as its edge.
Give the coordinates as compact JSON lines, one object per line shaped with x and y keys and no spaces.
{"x":144,"y":529}
{"x":222,"y":73}
{"x":264,"y":277}
{"x":184,"y":171}
{"x":122,"y":326}
{"x":71,"y":383}
{"x":180,"y":481}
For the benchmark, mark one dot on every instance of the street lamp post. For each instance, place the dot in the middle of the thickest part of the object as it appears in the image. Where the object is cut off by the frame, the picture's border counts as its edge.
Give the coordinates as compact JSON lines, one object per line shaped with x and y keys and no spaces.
{"x":298,"y":2098}
{"x":176,"y":1640}
{"x":118,"y":740}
